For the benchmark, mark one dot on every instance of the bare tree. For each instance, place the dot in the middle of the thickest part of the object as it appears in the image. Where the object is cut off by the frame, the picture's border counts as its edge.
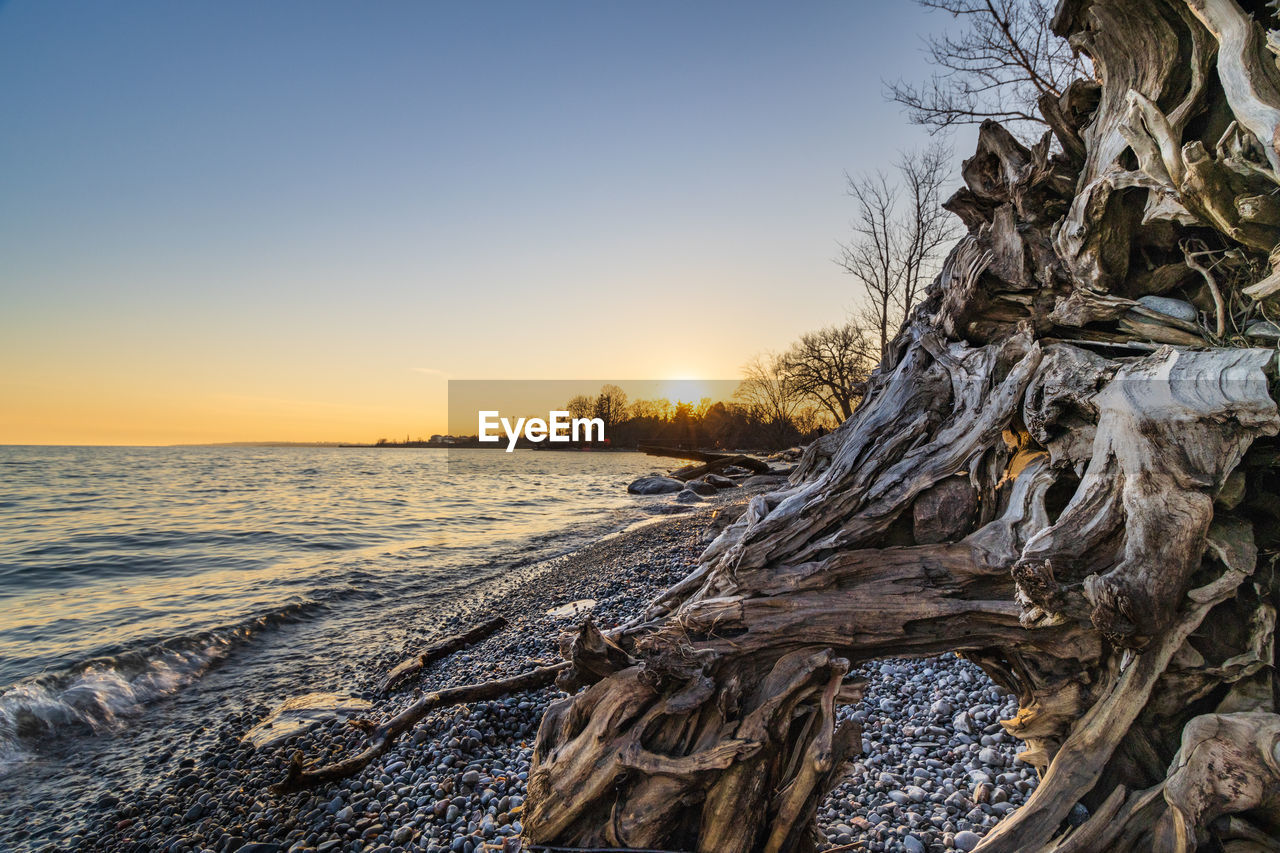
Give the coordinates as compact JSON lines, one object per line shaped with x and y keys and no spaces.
{"x":998,"y":68}
{"x":926,"y":227}
{"x":899,"y":230}
{"x":770,"y":394}
{"x":657,"y":409}
{"x":611,"y":405}
{"x":830,"y":366}
{"x":581,"y":406}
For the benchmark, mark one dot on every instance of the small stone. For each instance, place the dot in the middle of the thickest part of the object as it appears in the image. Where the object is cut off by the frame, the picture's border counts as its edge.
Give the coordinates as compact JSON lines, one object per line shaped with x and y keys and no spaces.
{"x":1263,"y":330}
{"x":471,"y":777}
{"x":912,"y":844}
{"x":1170,"y":307}
{"x":967,"y":840}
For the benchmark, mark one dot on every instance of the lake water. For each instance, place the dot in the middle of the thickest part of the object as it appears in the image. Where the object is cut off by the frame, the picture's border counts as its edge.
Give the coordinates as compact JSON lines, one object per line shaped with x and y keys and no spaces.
{"x":189,"y":578}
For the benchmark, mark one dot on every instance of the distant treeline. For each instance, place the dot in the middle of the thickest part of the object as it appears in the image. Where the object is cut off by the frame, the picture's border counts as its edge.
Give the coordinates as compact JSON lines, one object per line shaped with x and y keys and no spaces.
{"x":784,"y":399}
{"x":734,"y":424}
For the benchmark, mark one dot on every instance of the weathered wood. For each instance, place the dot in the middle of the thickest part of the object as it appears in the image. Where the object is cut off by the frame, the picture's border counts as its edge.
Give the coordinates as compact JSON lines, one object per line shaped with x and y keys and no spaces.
{"x":438,"y":650}
{"x":695,"y":471}
{"x":750,"y":462}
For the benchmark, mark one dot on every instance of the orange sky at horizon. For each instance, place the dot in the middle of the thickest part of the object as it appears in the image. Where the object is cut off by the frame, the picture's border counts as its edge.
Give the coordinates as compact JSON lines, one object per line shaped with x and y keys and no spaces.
{"x":305,"y":244}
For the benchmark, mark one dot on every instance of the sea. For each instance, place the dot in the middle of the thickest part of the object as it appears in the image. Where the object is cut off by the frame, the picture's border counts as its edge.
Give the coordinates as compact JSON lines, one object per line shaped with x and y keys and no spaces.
{"x":144,"y":590}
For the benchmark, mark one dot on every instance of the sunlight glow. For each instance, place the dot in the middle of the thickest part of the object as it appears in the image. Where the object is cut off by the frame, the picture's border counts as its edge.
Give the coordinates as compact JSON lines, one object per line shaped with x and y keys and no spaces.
{"x":686,"y":390}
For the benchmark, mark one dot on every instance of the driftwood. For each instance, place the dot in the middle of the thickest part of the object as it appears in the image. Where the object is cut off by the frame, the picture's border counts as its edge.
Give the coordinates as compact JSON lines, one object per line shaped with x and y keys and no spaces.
{"x":1091,"y":486}
{"x":449,"y":645}
{"x":749,"y":462}
{"x":383,"y":735}
{"x":694,"y":471}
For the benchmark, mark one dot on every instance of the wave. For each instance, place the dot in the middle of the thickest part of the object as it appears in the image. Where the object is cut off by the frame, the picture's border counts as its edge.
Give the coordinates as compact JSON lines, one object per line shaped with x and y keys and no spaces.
{"x":96,"y":695}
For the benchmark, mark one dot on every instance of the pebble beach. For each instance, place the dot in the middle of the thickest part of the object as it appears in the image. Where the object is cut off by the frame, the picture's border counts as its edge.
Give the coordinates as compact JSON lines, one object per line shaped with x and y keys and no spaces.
{"x":936,"y":773}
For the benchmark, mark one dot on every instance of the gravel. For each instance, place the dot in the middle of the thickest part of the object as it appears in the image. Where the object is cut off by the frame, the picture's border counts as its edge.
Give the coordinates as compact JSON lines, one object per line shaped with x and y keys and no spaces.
{"x":937,"y":771}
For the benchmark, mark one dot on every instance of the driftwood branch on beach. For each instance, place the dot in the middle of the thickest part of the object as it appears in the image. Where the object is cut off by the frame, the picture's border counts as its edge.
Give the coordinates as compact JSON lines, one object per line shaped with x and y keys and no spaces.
{"x":1063,"y":469}
{"x":382,"y":735}
{"x":415,"y":664}
{"x":707,"y":457}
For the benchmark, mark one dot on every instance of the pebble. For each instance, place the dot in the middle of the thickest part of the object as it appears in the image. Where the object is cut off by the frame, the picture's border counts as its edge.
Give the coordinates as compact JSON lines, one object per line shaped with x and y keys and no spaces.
{"x":1170,"y":307}
{"x":1263,"y":330}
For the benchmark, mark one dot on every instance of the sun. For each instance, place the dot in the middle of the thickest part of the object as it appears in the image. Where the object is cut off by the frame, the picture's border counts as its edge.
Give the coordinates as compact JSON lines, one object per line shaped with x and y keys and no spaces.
{"x":686,"y":390}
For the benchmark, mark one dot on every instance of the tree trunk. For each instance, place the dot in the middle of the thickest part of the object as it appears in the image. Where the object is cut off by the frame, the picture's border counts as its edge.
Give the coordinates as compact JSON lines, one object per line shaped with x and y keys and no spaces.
{"x":1113,"y":559}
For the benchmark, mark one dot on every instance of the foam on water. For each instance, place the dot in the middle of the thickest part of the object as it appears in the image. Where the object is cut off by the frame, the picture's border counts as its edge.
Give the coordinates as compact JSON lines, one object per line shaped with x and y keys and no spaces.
{"x":99,"y":694}
{"x":127,"y":574}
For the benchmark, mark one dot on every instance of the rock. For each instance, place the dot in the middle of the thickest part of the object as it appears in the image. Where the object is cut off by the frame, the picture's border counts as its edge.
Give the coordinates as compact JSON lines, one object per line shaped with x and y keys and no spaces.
{"x":571,"y":610}
{"x":967,"y":840}
{"x":990,"y":757}
{"x":1263,"y":330}
{"x":300,"y":713}
{"x":912,"y":844}
{"x":941,"y":708}
{"x":701,"y":487}
{"x":1170,"y":307}
{"x":655,"y":485}
{"x":945,"y":511}
{"x":471,"y":777}
{"x":688,"y":496}
{"x":720,"y":482}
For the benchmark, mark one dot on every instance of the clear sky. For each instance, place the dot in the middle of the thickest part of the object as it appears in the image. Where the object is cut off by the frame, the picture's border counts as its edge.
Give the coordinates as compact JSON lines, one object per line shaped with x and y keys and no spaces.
{"x":294,"y":220}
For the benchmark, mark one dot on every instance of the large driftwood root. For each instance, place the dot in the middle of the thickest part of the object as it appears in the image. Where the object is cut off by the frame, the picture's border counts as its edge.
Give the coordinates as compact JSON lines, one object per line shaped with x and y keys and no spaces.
{"x":1111,"y":559}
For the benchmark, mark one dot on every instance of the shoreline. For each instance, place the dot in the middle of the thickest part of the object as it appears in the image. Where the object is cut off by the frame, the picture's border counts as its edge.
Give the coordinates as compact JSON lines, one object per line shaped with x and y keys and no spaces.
{"x":456,"y":783}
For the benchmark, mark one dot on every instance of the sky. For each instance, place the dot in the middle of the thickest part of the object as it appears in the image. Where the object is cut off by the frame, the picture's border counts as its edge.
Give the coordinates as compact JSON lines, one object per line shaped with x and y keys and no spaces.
{"x":295,"y":221}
